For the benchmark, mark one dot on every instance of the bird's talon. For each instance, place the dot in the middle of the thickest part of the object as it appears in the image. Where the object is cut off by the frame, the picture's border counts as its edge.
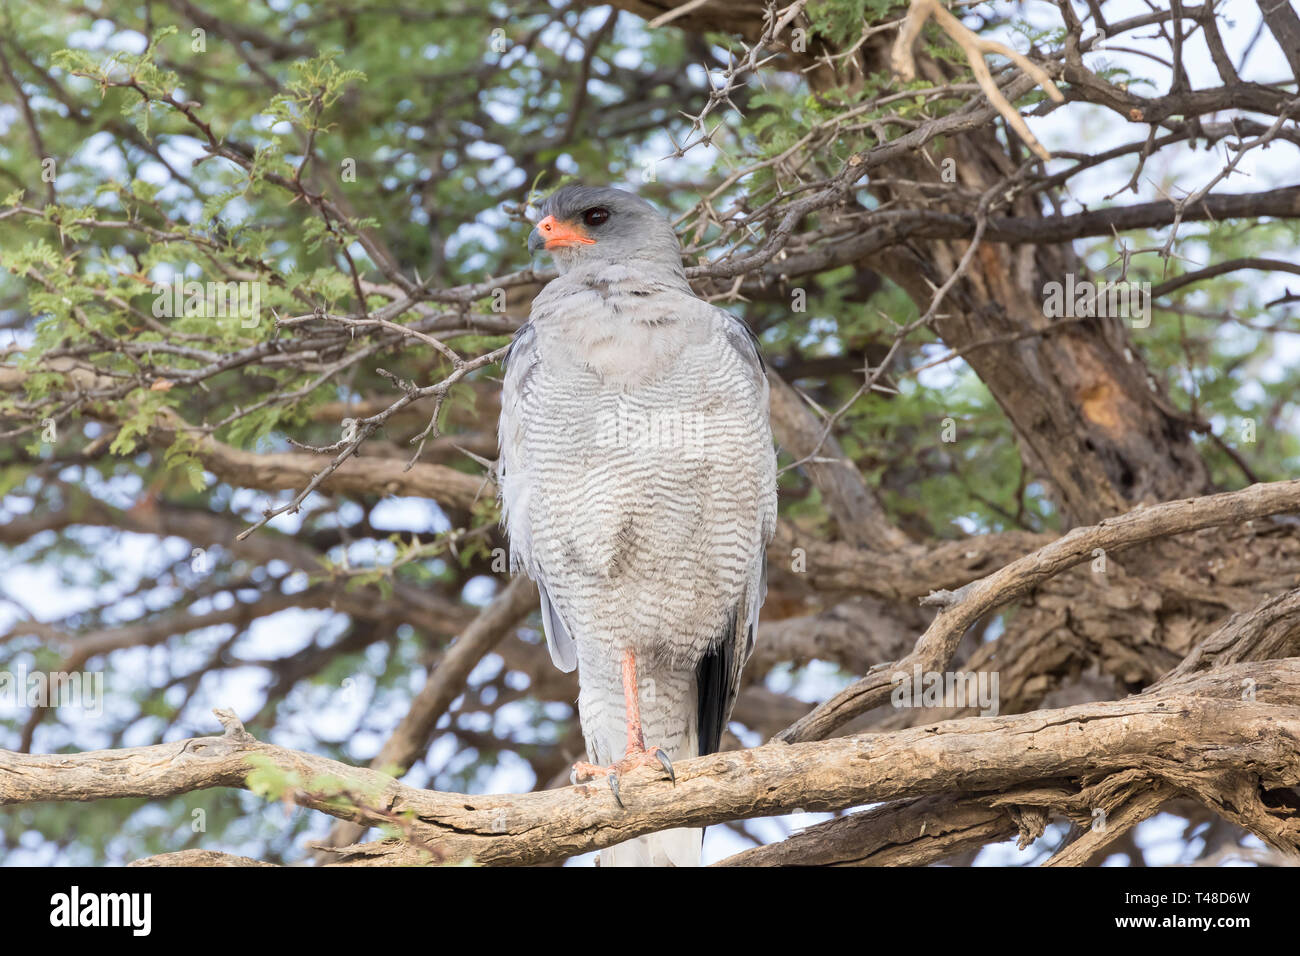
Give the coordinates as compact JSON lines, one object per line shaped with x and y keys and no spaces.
{"x":666,"y":764}
{"x":583,"y":771}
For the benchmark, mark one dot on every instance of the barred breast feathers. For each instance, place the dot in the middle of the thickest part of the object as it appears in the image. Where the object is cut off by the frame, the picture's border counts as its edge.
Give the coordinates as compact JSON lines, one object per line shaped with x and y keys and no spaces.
{"x":651,"y":346}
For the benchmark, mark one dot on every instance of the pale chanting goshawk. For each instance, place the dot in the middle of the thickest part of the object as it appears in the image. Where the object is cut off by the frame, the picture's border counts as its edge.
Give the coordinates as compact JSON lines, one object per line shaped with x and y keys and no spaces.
{"x":638,"y":482}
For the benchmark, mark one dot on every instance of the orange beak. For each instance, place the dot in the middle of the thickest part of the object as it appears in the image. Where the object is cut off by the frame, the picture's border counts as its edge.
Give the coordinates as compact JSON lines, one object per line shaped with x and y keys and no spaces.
{"x":553,"y":234}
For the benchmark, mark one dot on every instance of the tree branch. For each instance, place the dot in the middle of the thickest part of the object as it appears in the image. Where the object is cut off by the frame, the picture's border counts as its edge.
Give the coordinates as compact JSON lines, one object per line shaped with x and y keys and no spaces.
{"x":963,"y":608}
{"x":1190,"y":739}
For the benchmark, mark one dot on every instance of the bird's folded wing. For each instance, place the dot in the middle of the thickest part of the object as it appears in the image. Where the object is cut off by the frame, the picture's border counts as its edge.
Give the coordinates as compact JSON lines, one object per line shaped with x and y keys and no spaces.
{"x":513,"y":485}
{"x":718,"y":674}
{"x":564,"y":653}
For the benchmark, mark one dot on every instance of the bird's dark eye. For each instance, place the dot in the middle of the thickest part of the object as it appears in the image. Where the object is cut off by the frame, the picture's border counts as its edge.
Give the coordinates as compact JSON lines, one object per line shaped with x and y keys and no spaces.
{"x":594,"y":217}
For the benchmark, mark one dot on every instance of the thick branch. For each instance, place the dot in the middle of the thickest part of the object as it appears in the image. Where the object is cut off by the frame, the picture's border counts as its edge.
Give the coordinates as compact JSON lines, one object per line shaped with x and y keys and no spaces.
{"x":1187,"y":739}
{"x":962,"y":609}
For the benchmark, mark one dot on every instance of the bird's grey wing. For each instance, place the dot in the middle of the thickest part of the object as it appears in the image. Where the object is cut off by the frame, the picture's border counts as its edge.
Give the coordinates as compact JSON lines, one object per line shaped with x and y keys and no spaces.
{"x":718,"y":673}
{"x":564,"y":653}
{"x":514,"y":482}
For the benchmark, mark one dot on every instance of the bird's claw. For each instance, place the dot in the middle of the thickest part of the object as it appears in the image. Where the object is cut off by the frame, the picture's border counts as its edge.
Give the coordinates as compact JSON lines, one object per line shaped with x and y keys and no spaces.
{"x":666,"y":764}
{"x":584,"y":771}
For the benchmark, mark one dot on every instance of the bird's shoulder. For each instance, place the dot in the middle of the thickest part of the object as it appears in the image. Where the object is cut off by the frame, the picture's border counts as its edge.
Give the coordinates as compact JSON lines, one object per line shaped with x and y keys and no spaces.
{"x":652,"y":331}
{"x":740,"y":337}
{"x":521,"y":347}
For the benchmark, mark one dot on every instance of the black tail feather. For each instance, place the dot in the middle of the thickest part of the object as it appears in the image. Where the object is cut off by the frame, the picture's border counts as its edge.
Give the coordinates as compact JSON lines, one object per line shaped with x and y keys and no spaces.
{"x":714,"y":677}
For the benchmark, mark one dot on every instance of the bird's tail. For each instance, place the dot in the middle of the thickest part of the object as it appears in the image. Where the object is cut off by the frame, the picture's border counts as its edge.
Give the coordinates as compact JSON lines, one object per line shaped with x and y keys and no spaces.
{"x":678,"y":847}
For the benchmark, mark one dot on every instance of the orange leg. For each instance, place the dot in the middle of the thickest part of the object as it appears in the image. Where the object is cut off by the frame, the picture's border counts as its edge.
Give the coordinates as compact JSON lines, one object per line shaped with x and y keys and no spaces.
{"x":637,"y":755}
{"x":632,"y":700}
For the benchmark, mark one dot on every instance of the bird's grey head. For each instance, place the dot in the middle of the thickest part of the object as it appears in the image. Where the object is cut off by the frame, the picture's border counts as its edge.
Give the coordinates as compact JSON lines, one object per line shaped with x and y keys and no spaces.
{"x":590,"y":225}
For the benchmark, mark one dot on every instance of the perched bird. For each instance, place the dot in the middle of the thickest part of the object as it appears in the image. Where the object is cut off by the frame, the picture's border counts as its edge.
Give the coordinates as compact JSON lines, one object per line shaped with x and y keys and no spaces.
{"x":638,"y":483}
